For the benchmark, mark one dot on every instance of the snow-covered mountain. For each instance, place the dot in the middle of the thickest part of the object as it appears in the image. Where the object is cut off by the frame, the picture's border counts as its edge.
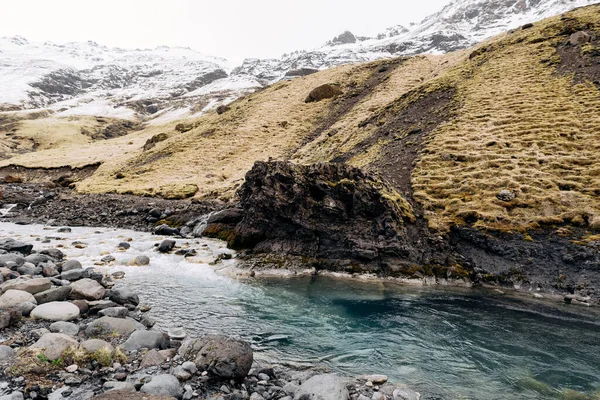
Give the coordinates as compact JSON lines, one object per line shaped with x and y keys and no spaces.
{"x":460,"y":24}
{"x":166,"y":83}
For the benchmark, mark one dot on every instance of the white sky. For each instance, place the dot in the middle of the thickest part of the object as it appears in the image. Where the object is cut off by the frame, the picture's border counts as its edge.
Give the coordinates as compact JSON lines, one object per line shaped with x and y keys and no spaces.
{"x":234,"y":29}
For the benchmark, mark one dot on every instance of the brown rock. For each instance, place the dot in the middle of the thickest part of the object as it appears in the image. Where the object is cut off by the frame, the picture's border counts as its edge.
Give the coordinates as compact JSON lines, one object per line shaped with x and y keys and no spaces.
{"x":322,"y":92}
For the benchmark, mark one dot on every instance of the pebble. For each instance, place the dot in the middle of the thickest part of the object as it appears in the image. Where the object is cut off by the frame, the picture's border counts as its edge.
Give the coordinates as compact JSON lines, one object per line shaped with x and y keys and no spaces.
{"x":72,"y":368}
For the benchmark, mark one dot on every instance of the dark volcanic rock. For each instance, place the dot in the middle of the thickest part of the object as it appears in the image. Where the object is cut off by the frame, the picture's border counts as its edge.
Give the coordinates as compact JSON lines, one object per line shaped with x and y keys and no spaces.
{"x":11,"y":245}
{"x":324,"y":211}
{"x":322,"y":92}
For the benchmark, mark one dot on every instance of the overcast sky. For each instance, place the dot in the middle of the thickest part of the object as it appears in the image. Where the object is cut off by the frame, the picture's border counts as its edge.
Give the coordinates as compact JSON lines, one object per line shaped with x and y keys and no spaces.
{"x":234,"y":29}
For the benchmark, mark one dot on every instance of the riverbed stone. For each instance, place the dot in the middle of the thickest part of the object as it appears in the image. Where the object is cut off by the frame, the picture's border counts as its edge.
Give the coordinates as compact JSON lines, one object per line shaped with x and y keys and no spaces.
{"x":93,"y":345}
{"x":124,"y":296}
{"x":14,"y":298}
{"x":152,"y":358}
{"x":72,"y":275}
{"x":115,"y":312}
{"x":115,"y":385}
{"x":37,"y":259}
{"x":29,"y":269}
{"x":54,"y":345}
{"x":12,"y":260}
{"x":140,"y":261}
{"x":56,"y":311}
{"x":71,"y":265}
{"x":87,"y":289}
{"x":26,"y":308}
{"x":220,"y":355}
{"x":49,"y":270}
{"x":145,"y":339}
{"x":60,"y":293}
{"x":12,"y":245}
{"x":68,"y":328}
{"x":323,"y":387}
{"x":405,"y":393}
{"x":6,"y":352}
{"x":33,"y":286}
{"x":108,"y":326}
{"x":56,"y":254}
{"x":166,"y":246}
{"x":164,"y":385}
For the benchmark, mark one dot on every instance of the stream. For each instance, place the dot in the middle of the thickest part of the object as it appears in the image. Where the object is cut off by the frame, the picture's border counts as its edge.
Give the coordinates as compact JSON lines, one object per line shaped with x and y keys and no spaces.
{"x":446,"y":343}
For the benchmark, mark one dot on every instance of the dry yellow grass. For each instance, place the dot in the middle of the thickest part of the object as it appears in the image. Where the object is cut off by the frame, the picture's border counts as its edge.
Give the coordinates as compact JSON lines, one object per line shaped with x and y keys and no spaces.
{"x":522,"y":127}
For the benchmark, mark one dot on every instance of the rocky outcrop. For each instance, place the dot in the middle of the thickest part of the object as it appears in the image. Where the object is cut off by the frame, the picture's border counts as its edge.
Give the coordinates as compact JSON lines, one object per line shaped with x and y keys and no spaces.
{"x":333,"y":213}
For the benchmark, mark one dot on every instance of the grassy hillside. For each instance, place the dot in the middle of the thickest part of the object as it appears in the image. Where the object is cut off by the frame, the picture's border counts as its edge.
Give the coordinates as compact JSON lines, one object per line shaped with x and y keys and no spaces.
{"x":518,"y":113}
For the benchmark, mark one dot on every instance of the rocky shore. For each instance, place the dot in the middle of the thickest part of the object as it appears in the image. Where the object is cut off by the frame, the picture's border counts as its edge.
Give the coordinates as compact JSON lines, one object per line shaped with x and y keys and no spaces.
{"x":71,"y":332}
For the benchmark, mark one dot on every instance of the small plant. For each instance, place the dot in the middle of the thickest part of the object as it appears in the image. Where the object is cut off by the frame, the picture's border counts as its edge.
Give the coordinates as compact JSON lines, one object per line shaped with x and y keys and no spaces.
{"x":42,"y":357}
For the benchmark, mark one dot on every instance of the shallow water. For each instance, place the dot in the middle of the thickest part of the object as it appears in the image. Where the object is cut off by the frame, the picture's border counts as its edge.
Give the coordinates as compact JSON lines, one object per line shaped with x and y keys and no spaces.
{"x":446,"y":343}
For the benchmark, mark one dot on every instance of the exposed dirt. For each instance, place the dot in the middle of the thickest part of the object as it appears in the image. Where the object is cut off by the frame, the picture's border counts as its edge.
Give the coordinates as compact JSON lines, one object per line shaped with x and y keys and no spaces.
{"x":583,"y":61}
{"x":63,"y":176}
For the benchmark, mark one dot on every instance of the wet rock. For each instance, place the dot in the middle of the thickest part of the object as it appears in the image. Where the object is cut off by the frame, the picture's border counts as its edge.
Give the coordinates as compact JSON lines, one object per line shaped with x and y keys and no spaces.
{"x":87,"y":289}
{"x":140,"y":261}
{"x":115,"y":312}
{"x":71,"y":265}
{"x":108,"y":259}
{"x":72,"y":275}
{"x":165,"y":385}
{"x":12,"y":245}
{"x":124,"y":246}
{"x":64,"y":229}
{"x":56,"y":294}
{"x":124,"y":296}
{"x":122,"y":386}
{"x":405,"y":393}
{"x":56,"y":311}
{"x":6,"y":353}
{"x":68,"y":328}
{"x":322,"y":92}
{"x":55,"y":254}
{"x":376,"y":379}
{"x":166,"y":230}
{"x":93,"y":345}
{"x":108,"y":326}
{"x":220,"y":355}
{"x":323,"y":387}
{"x":14,"y":298}
{"x":177,"y":333}
{"x":166,"y":246}
{"x":145,"y":339}
{"x":54,"y":344}
{"x":32,"y":286}
{"x":29,"y":269}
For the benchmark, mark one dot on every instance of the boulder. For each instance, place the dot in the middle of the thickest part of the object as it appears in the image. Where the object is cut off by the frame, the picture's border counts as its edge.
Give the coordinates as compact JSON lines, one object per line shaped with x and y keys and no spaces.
{"x":32,"y":286}
{"x":72,"y":275}
{"x":323,"y":387}
{"x":93,"y":345}
{"x":71,"y":265}
{"x":56,"y":311}
{"x":166,"y":246}
{"x":140,"y":261}
{"x":124,"y":296}
{"x":6,"y":352}
{"x":152,"y":358}
{"x":405,"y":393}
{"x":108,"y":326}
{"x":322,"y":92}
{"x":579,"y":38}
{"x":54,"y":345}
{"x":54,"y":253}
{"x":29,"y":269}
{"x":166,"y":230}
{"x":14,"y":298}
{"x":223,"y":356}
{"x":12,"y":245}
{"x":164,"y":385}
{"x":87,"y":289}
{"x":60,"y":293}
{"x":68,"y":328}
{"x":145,"y":340}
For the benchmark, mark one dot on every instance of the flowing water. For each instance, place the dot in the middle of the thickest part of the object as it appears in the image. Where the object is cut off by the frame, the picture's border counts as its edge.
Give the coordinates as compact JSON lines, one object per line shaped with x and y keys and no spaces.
{"x":447,"y":344}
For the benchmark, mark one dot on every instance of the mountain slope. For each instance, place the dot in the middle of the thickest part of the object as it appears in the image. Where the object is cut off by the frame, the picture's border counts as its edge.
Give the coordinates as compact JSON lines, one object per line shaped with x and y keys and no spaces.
{"x":502,"y":136}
